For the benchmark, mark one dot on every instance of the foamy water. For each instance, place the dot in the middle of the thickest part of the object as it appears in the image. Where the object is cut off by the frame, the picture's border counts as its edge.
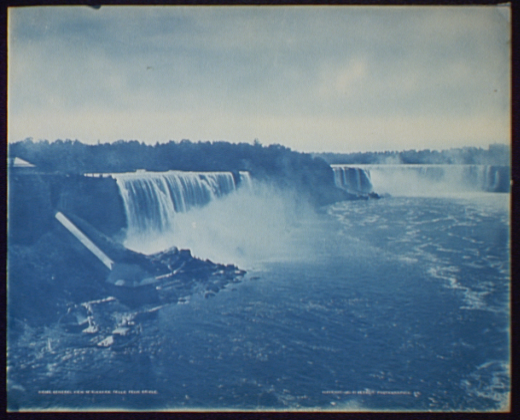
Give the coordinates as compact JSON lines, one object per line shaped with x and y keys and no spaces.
{"x":399,"y":304}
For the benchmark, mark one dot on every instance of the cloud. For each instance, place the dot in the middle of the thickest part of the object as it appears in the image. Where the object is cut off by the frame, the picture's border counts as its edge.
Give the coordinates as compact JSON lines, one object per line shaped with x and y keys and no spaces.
{"x":342,"y":80}
{"x":277,"y":73}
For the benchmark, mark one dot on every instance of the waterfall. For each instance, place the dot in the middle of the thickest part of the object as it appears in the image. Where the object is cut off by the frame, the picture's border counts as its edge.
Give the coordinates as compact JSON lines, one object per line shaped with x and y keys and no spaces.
{"x":422,"y":179}
{"x":245,"y":179}
{"x":152,"y":199}
{"x":354,"y":180}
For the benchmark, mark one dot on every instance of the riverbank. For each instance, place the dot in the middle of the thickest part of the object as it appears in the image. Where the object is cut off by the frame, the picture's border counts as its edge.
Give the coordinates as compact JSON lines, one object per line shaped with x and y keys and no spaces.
{"x":56,"y":272}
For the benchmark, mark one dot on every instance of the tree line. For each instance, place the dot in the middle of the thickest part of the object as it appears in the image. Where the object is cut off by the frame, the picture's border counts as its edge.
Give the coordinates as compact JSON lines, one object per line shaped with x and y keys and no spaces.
{"x":496,"y":154}
{"x":274,"y":163}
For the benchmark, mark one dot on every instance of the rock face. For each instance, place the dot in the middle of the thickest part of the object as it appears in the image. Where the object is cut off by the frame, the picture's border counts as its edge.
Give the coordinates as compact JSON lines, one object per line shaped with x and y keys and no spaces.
{"x":34,"y":198}
{"x":29,"y":207}
{"x":52,"y":274}
{"x":96,"y":200}
{"x":58,"y":271}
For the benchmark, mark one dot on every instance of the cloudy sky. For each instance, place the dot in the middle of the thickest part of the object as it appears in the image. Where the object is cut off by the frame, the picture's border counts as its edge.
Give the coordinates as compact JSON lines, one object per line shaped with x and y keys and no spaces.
{"x":311,"y":78}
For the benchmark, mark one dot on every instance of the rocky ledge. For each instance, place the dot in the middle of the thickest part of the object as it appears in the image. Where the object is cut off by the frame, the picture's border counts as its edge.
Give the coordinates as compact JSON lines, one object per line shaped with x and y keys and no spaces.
{"x":57,"y":282}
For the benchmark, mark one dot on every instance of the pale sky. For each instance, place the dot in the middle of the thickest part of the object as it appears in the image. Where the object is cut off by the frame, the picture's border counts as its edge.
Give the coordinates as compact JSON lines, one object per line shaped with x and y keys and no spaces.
{"x":314,"y":79}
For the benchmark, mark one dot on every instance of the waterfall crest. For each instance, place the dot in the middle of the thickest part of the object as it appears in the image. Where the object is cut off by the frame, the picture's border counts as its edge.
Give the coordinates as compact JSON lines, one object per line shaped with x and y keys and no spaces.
{"x":152,"y":199}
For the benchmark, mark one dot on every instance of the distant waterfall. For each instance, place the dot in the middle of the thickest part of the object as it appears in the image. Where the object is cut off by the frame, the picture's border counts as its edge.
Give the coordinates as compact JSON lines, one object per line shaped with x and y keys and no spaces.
{"x":422,"y":179}
{"x":245,"y":179}
{"x":352,"y":179}
{"x":152,"y":199}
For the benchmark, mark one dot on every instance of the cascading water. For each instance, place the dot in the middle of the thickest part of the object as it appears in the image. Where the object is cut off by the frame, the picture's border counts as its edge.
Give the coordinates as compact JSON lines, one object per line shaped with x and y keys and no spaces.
{"x":245,"y":179}
{"x":352,"y":179}
{"x":421,"y":179}
{"x":151,"y":199}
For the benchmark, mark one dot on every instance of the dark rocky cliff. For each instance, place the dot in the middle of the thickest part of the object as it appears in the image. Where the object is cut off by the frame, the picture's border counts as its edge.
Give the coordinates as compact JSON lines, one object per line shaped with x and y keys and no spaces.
{"x":50,"y":271}
{"x":35,"y":198}
{"x":95,"y":200}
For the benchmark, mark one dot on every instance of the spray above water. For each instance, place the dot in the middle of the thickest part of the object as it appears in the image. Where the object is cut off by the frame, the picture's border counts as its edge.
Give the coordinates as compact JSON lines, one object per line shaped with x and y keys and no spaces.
{"x":246,"y":228}
{"x":421,"y":180}
{"x":152,"y":199}
{"x":213,"y":214}
{"x":227,"y":218}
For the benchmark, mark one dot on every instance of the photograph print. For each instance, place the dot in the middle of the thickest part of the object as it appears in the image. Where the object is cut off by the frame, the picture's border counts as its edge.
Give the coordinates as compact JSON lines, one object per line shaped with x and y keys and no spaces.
{"x":259,"y":208}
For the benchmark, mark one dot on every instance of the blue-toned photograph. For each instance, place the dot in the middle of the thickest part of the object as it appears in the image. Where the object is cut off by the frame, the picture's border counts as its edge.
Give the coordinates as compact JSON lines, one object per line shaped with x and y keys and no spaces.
{"x":259,"y":209}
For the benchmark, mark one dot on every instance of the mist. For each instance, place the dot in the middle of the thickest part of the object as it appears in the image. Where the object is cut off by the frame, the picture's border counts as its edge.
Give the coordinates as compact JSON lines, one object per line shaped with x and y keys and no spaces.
{"x":437,"y":180}
{"x":247,"y":227}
